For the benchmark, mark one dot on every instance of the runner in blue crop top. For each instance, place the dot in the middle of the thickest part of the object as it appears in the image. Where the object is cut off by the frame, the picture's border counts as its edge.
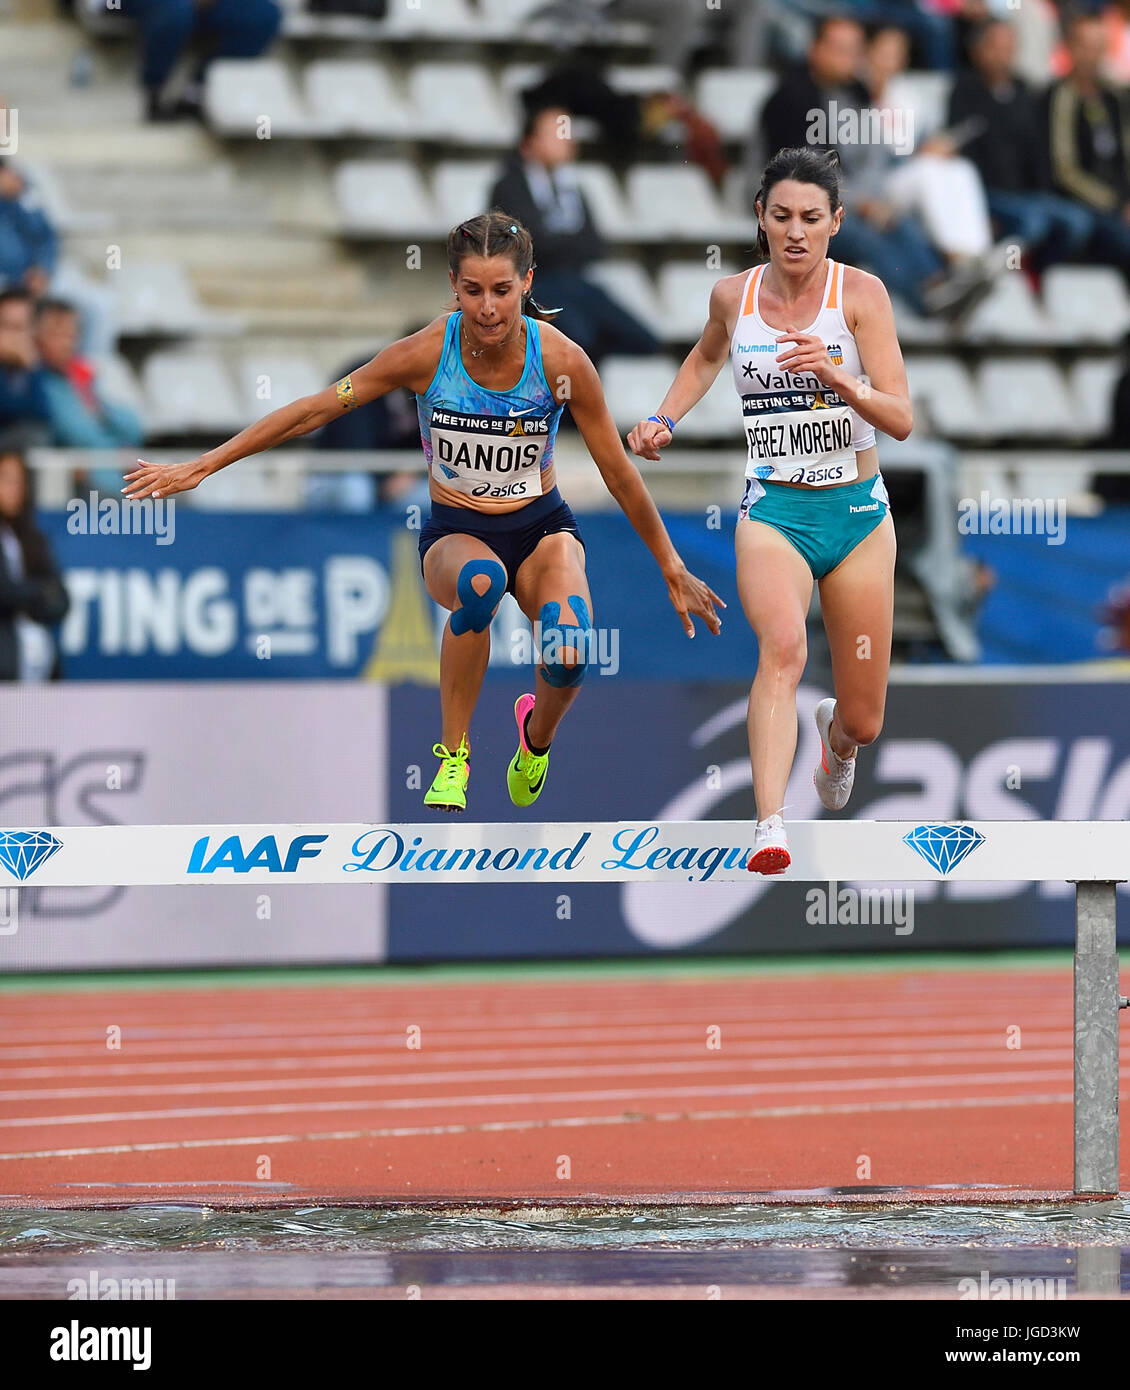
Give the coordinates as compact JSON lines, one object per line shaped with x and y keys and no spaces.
{"x":488,"y":417}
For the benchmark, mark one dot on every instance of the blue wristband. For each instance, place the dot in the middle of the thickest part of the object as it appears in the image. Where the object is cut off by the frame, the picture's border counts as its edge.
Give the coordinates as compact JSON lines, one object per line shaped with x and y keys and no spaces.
{"x":663,"y":420}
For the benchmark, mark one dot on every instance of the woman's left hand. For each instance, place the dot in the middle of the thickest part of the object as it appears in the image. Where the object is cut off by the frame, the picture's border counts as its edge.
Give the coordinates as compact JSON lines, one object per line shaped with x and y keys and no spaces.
{"x":809,"y":355}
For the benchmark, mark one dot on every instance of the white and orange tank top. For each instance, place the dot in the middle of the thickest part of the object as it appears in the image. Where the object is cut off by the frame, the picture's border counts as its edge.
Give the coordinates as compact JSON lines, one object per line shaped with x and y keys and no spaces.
{"x":797,"y":430}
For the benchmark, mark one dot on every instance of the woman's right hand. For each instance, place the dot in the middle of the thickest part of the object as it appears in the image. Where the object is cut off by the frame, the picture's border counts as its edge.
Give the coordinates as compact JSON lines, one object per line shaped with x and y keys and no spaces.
{"x":163,"y":479}
{"x":647,"y":438}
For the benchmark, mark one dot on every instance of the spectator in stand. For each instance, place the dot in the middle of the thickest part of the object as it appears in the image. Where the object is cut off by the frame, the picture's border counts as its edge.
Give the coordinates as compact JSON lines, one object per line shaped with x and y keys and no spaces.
{"x":537,"y":186}
{"x":1088,"y":125}
{"x":28,"y":243}
{"x":873,"y":233}
{"x":221,"y":28}
{"x":32,"y":597}
{"x":1011,"y":150}
{"x":23,"y":397}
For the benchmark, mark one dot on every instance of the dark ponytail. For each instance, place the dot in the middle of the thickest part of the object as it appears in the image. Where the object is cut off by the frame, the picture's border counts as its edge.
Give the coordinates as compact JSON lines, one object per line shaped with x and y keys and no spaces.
{"x":817,"y":166}
{"x":496,"y":233}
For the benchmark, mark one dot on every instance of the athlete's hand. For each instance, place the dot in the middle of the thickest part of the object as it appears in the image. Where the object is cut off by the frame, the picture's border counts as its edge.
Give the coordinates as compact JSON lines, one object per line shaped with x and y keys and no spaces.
{"x":163,"y":479}
{"x":809,"y":355}
{"x":647,"y":438}
{"x":690,"y":595}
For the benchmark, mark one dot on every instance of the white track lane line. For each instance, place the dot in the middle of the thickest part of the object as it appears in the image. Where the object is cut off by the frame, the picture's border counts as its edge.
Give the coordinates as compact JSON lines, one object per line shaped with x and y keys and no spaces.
{"x":773,"y":1112}
{"x":549,"y":1098}
{"x":715,"y":1062}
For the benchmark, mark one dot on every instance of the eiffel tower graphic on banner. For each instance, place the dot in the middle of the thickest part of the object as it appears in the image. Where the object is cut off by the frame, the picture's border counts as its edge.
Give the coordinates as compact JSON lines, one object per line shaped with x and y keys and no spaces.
{"x":405,"y":647}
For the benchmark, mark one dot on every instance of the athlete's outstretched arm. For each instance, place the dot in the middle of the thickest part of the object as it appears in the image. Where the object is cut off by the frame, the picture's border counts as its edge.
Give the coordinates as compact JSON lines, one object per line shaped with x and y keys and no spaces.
{"x":695,"y":377}
{"x":407,"y":362}
{"x":622,"y":479}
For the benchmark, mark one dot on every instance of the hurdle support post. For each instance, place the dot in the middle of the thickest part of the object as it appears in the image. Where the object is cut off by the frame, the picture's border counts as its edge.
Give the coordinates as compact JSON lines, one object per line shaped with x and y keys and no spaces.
{"x":1096,"y":1040}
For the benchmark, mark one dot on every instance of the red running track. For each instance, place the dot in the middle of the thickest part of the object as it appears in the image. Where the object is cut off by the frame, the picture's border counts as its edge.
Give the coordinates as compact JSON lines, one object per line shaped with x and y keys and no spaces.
{"x":560,"y":1091}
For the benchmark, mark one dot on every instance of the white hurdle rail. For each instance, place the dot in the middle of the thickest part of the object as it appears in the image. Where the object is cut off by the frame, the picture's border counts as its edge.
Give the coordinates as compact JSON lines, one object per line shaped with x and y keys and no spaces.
{"x":1094,"y":855}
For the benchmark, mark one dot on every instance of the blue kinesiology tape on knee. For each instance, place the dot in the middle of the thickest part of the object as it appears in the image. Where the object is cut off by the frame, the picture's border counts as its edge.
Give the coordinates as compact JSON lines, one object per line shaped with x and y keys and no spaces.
{"x":478,"y":609}
{"x":558,"y":637}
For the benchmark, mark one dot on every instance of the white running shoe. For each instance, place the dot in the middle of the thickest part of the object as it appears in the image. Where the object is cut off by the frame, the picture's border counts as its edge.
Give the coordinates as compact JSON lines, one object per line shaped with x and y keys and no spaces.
{"x":834,"y":777}
{"x":770,"y":848}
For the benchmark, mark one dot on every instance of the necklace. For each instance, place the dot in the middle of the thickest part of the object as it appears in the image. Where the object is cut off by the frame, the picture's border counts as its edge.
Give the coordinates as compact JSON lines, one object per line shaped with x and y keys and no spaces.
{"x":489,"y":346}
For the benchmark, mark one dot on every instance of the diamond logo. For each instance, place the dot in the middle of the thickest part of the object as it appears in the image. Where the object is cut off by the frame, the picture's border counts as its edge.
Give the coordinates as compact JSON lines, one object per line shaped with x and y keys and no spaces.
{"x":943,"y":846}
{"x":22,"y":851}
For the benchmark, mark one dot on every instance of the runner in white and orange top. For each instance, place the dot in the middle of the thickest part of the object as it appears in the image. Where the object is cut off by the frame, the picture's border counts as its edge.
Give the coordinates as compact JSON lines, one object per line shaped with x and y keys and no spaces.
{"x":814,"y":509}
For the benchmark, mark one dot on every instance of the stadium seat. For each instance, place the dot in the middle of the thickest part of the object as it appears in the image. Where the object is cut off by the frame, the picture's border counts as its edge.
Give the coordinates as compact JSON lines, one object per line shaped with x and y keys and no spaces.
{"x":385,"y":198}
{"x":115,"y":379}
{"x":606,"y":202}
{"x":684,"y":297}
{"x":1010,"y":313}
{"x":459,"y":104}
{"x":461,"y":187}
{"x":732,"y":99}
{"x":157,"y":297}
{"x":1026,"y":398}
{"x":678,"y":202}
{"x":948,"y":391}
{"x":629,"y":285}
{"x":448,"y":19}
{"x":634,"y":386}
{"x":717,"y":416}
{"x":1087,"y":303}
{"x":240,"y":93}
{"x":641,"y":80}
{"x":925,"y":95}
{"x":356,"y":98}
{"x":1092,"y":384}
{"x":190,"y":391}
{"x":284,"y":378}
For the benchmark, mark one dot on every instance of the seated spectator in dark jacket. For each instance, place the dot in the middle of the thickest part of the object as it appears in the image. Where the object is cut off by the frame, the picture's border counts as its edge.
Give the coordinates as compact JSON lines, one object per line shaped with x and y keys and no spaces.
{"x":32,"y":596}
{"x":807,"y":109}
{"x":1011,"y":150}
{"x":1088,"y":125}
{"x":23,"y":396}
{"x":81,"y":415}
{"x":221,"y":28}
{"x":28,"y":243}
{"x":537,"y":187}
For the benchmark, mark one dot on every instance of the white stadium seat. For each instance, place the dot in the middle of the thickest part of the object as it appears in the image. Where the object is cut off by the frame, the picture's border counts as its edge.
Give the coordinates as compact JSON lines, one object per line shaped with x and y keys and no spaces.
{"x":925,"y":95}
{"x":678,"y":202}
{"x":639,"y":80}
{"x":948,"y":391}
{"x":449,"y":19}
{"x":717,"y":416}
{"x":606,"y":202}
{"x":356,"y":98}
{"x":1092,"y":383}
{"x":629,"y":285}
{"x":386,"y":198}
{"x":239,"y":93}
{"x":190,"y":391}
{"x":269,"y":381}
{"x":732,"y":99}
{"x":1087,"y":303}
{"x":1026,"y":398}
{"x":684,"y":297}
{"x":461,"y":188}
{"x":633,"y":386}
{"x":115,"y":380}
{"x":1010,"y":312}
{"x":460,"y":104}
{"x":157,"y":297}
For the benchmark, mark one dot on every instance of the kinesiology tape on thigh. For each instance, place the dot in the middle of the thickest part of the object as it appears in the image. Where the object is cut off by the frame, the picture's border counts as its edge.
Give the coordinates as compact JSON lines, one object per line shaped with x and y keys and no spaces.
{"x":477,"y":609}
{"x":557,"y":638}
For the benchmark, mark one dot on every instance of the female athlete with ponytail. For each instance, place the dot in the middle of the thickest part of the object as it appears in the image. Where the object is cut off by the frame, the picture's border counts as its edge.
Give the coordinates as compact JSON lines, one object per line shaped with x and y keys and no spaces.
{"x":488,"y":417}
{"x":815,"y":509}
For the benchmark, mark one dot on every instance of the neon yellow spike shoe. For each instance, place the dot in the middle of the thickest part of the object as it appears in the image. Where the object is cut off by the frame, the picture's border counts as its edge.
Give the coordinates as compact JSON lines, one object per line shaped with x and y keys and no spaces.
{"x":525,"y":776}
{"x":449,"y":790}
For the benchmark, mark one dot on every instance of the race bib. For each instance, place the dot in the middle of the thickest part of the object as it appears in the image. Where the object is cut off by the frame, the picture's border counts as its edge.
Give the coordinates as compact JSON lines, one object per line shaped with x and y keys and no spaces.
{"x":497,"y":456}
{"x":812,"y":446}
